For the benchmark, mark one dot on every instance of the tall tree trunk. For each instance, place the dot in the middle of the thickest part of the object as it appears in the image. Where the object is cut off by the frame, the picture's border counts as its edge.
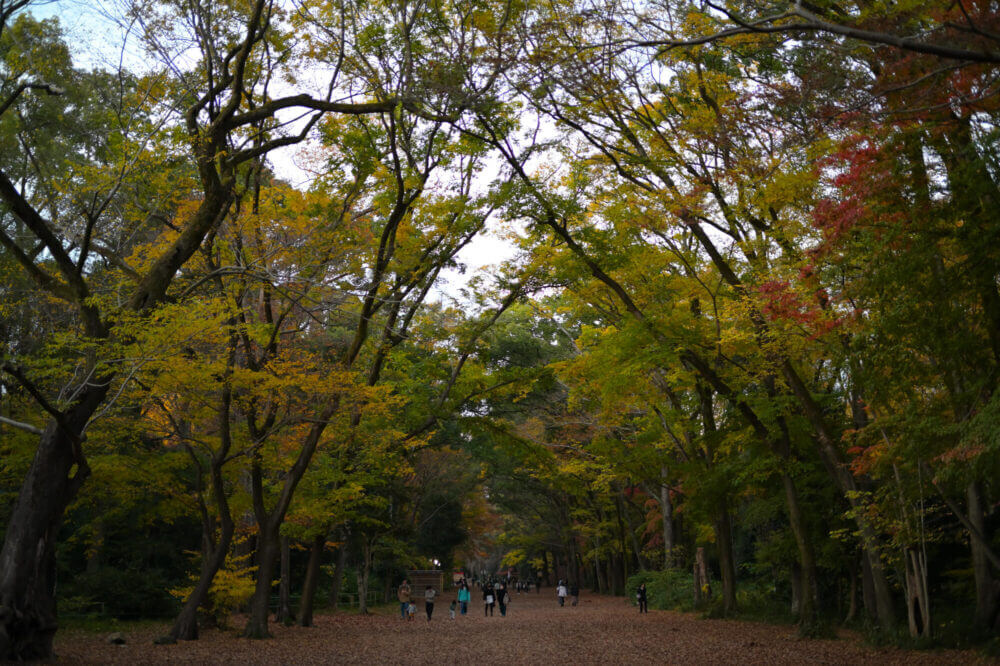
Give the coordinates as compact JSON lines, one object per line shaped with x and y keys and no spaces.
{"x":702,"y":585}
{"x":807,"y":560}
{"x":311,"y":582}
{"x":621,"y":543}
{"x":727,"y":562}
{"x":918,"y":609}
{"x":285,"y":615}
{"x":667,"y":510}
{"x":795,"y":579}
{"x":363,"y":572}
{"x":868,"y":587}
{"x":28,"y":560}
{"x":268,"y":547}
{"x":613,"y":572}
{"x":852,"y":605}
{"x":572,"y":570}
{"x":986,"y":589}
{"x":338,"y":576}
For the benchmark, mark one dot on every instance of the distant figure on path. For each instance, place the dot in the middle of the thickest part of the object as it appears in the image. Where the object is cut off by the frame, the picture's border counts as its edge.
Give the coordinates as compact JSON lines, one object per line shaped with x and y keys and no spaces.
{"x":404,"y":598}
{"x":487,"y":600}
{"x":574,"y":591}
{"x":561,"y":593}
{"x":463,"y":597}
{"x":640,"y":596}
{"x":429,"y":601}
{"x":503,"y":599}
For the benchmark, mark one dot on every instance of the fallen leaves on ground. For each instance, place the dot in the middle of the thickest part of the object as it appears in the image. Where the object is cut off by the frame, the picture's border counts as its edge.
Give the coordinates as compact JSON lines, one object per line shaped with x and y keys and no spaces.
{"x":600,"y":630}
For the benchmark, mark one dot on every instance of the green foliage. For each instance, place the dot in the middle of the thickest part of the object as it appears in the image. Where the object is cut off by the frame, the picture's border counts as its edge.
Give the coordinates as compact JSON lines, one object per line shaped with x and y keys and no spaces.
{"x":665,"y":590}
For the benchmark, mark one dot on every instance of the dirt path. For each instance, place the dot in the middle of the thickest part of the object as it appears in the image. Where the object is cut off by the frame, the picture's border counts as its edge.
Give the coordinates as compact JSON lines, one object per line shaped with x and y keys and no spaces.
{"x":601,"y":630}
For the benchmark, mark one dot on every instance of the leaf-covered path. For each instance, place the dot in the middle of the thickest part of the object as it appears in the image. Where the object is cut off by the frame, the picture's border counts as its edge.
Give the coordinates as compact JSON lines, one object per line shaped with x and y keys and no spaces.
{"x":600,"y":630}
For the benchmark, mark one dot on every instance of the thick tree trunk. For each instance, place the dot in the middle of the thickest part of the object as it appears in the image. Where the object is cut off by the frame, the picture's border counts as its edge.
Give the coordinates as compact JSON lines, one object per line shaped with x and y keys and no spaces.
{"x":311,"y":582}
{"x":268,"y":547}
{"x":27,"y":561}
{"x":807,"y":560}
{"x":727,"y":562}
{"x":795,"y":578}
{"x":572,"y":570}
{"x":285,"y":615}
{"x":868,"y":588}
{"x":986,"y":590}
{"x":618,"y":573}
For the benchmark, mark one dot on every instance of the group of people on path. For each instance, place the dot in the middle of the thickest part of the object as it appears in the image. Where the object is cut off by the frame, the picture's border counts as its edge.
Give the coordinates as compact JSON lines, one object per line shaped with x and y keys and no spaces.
{"x":495,"y":593}
{"x":562,"y":591}
{"x":407,"y":605}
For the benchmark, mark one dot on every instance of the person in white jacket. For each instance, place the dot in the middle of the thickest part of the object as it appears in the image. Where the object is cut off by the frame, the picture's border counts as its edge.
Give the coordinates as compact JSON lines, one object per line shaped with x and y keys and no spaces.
{"x":561,"y":592}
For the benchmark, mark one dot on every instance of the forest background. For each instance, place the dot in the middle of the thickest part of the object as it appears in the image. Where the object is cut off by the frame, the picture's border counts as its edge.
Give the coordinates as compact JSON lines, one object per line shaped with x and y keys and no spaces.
{"x":754,"y":308}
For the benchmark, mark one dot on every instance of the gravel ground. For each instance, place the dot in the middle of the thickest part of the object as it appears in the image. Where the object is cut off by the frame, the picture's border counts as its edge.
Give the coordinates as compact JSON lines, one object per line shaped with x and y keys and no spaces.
{"x":601,"y":630}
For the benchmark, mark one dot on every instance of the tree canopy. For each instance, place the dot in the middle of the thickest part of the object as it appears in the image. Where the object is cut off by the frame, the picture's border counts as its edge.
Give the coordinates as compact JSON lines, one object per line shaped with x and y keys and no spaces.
{"x":750,"y":329}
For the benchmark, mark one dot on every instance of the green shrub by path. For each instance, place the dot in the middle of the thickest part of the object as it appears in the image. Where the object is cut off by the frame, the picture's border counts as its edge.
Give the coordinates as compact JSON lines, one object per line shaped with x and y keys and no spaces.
{"x":674,"y":590}
{"x":665,"y":590}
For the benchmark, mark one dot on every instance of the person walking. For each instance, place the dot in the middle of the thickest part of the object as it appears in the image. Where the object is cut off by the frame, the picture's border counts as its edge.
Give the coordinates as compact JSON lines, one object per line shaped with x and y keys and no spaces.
{"x":487,"y":600}
{"x":429,"y":601}
{"x":561,"y":593}
{"x":463,"y":598}
{"x":403,"y":594}
{"x":503,"y":599}
{"x":640,"y":596}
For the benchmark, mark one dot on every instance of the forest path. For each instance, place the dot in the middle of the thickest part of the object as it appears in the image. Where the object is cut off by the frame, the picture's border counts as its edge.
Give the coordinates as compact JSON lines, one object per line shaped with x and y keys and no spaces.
{"x":601,"y":630}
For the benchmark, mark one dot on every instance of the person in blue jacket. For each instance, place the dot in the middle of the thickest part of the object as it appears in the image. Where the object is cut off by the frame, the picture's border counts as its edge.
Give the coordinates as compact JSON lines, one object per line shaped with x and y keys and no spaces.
{"x":463,"y":597}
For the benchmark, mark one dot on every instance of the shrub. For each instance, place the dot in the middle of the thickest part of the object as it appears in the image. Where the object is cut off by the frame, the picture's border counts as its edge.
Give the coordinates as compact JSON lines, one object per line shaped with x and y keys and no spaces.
{"x":665,"y":590}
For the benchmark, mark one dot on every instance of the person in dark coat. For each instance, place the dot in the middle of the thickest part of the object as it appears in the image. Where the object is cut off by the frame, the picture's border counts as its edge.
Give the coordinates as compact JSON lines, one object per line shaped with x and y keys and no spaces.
{"x":502,"y":599}
{"x":488,"y":600}
{"x":640,"y":596}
